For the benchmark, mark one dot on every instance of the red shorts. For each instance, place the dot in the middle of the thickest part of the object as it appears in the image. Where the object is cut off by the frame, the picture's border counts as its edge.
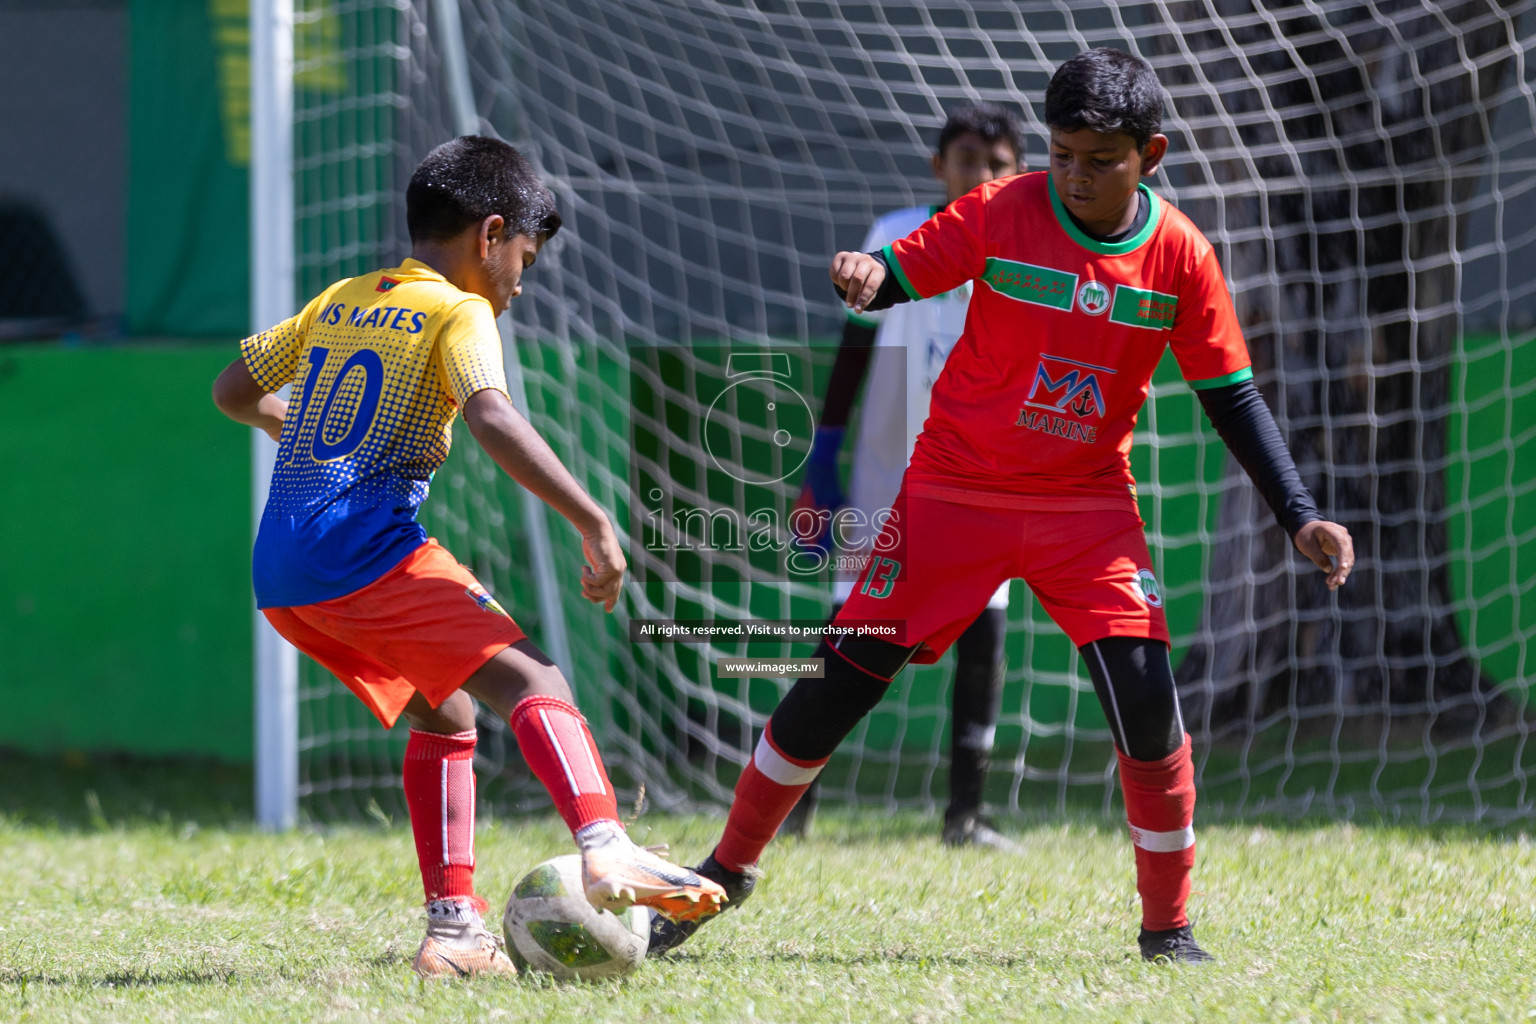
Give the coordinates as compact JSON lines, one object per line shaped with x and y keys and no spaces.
{"x":423,"y":627}
{"x":934,"y":567}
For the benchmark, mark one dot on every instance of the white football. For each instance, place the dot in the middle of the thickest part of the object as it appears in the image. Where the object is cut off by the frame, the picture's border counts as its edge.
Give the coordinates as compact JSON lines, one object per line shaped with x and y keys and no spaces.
{"x":551,"y":927}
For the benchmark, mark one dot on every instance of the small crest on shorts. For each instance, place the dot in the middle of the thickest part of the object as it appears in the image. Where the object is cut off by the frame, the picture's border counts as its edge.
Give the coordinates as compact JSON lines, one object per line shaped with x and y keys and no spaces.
{"x":1150,"y":591}
{"x":485,"y":600}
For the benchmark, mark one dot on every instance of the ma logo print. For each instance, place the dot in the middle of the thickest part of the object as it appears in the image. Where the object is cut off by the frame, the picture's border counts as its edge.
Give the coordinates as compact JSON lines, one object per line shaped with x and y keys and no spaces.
{"x":1063,"y":394}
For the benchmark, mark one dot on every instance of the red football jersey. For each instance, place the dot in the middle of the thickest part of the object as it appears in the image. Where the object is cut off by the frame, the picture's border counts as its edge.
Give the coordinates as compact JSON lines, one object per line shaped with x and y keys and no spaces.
{"x":1035,"y":407}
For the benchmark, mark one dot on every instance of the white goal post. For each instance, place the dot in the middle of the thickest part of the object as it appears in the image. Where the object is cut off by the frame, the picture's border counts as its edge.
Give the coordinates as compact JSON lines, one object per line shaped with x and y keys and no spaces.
{"x":272,"y":301}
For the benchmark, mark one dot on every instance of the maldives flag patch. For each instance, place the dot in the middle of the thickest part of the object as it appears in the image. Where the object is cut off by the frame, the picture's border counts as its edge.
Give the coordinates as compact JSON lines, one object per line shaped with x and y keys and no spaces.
{"x":385,"y":284}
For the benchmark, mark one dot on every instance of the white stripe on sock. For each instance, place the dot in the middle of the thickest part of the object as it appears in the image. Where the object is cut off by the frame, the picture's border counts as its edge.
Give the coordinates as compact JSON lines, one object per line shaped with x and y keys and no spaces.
{"x":443,"y":807}
{"x":1163,"y":842}
{"x":774,"y":765}
{"x":459,"y":841}
{"x":549,"y":730}
{"x":597,"y":776}
{"x":470,"y":835}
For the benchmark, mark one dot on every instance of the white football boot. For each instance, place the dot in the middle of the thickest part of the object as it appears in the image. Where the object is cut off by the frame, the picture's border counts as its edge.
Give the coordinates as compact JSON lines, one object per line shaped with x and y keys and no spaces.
{"x":458,"y":945}
{"x":616,"y":873}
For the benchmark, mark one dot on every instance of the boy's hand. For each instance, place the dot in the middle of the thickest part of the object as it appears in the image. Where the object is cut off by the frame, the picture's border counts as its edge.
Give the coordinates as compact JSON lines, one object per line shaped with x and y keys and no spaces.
{"x":602,"y":578}
{"x":858,"y":275}
{"x":1319,"y":540}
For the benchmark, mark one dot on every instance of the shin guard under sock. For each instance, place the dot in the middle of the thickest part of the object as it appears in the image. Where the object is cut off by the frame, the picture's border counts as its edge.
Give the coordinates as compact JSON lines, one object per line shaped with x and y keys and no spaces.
{"x":439,"y":779}
{"x":1160,"y":806}
{"x":559,"y":749}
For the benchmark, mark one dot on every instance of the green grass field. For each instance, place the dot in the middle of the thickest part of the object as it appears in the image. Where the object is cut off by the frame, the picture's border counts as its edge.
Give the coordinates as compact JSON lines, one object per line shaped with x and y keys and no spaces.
{"x":137,"y":894}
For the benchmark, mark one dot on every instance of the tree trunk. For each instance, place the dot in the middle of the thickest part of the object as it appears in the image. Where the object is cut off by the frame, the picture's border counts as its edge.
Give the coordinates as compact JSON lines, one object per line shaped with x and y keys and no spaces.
{"x":1348,"y":145}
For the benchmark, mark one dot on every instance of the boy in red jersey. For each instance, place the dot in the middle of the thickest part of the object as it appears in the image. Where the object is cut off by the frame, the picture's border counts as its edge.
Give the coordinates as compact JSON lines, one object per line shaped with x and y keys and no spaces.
{"x":380,"y":365}
{"x":1084,"y":276}
{"x":903,"y":349}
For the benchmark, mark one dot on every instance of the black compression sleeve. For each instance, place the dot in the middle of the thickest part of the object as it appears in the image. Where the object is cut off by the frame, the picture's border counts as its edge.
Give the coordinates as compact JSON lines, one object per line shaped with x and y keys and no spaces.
{"x":890,"y":293}
{"x":1241,"y":417}
{"x":847,"y":373}
{"x":1134,"y":682}
{"x":816,"y":714}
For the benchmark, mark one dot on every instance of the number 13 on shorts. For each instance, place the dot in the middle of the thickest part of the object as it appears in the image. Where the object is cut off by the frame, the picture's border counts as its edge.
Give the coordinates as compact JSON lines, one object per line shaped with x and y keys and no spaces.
{"x":880,"y":577}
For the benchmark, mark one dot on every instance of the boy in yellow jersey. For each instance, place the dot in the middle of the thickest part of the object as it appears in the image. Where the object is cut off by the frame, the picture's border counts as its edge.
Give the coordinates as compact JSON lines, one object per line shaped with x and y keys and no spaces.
{"x":380,"y":364}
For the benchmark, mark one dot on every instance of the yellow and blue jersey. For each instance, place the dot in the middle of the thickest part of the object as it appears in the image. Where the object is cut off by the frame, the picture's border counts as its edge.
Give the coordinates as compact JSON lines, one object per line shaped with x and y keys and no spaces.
{"x":380,"y":365}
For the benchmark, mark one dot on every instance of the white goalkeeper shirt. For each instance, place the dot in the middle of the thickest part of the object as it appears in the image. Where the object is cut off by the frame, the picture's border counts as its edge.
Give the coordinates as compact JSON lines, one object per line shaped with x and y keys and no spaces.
{"x":912,"y":342}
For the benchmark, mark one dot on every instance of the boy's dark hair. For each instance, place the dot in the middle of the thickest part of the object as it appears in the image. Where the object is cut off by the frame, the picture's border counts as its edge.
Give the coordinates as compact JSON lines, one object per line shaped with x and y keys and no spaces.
{"x":1106,"y":90}
{"x":992,"y":122}
{"x":466,"y":180}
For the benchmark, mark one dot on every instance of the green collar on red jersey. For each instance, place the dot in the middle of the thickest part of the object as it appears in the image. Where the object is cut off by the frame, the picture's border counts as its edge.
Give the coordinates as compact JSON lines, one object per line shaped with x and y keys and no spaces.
{"x":1154,"y":214}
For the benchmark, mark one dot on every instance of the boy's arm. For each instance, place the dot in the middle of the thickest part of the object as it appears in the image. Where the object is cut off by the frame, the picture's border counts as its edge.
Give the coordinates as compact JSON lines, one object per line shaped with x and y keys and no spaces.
{"x":1208,"y":343}
{"x":1243,"y":420}
{"x":517,"y":448}
{"x":946,"y":251}
{"x":239,"y":397}
{"x":469,"y":360}
{"x":246,"y":391}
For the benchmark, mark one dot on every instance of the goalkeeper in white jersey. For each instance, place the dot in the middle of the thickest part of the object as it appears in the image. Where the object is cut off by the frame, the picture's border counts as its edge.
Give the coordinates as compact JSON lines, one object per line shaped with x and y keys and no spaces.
{"x":902,"y":351}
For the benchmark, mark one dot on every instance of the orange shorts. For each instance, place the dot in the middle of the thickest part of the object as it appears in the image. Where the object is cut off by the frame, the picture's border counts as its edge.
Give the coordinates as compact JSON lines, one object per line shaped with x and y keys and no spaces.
{"x":935,"y":566}
{"x":423,"y":627}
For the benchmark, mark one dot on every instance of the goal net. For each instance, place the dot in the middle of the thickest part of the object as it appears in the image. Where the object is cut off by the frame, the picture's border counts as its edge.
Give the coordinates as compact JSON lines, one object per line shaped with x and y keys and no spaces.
{"x":1366,"y":172}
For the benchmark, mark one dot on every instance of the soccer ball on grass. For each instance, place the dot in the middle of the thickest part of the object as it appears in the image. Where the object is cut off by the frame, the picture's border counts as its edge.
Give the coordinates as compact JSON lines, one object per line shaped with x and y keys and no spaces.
{"x":551,"y":927}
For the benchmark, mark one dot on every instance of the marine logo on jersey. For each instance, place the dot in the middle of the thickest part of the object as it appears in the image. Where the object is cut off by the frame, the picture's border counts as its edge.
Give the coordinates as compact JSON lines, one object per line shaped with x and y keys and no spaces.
{"x":1146,"y":583}
{"x":1064,"y":393}
{"x":1093,"y":298}
{"x":485,"y":600}
{"x":385,"y":284}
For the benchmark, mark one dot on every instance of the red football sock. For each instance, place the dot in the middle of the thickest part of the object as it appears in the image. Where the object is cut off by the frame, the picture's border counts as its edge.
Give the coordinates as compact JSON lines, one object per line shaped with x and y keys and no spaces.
{"x":439,"y":777}
{"x":558,"y":746}
{"x":767,"y":791}
{"x":1160,"y":806}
